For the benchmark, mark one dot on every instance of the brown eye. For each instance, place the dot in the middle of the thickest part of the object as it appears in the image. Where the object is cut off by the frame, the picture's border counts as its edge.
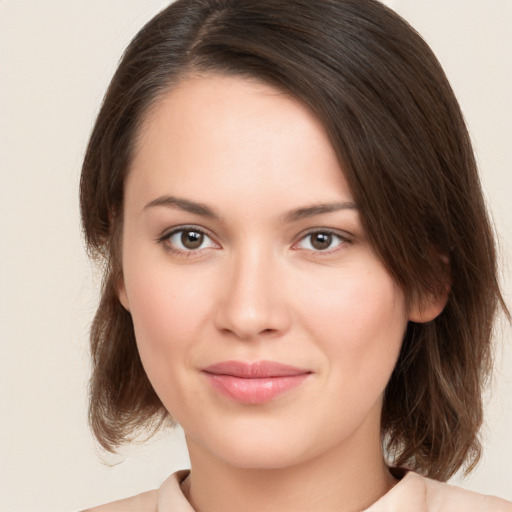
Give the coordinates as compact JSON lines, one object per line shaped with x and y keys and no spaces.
{"x":321,"y":241}
{"x":187,"y":240}
{"x":191,"y":239}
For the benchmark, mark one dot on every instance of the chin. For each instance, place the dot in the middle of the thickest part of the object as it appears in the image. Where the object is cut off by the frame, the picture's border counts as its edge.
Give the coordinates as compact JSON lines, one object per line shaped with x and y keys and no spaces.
{"x":257,"y":457}
{"x":258,"y":446}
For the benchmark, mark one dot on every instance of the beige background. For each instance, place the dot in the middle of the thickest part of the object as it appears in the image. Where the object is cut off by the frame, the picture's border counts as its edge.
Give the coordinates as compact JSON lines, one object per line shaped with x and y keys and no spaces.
{"x":55,"y":62}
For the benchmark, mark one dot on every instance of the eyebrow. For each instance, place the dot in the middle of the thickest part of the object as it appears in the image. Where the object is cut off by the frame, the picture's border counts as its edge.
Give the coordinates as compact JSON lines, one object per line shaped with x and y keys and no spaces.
{"x":289,"y":217}
{"x":184,"y":204}
{"x":317,"y":209}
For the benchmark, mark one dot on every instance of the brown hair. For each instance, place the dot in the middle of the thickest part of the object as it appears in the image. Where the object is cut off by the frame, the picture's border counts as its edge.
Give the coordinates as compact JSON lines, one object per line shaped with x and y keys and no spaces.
{"x":401,"y":139}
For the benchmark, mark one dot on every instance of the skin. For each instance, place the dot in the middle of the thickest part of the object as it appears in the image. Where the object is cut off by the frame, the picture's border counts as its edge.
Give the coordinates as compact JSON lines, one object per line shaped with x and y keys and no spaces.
{"x":259,"y":288}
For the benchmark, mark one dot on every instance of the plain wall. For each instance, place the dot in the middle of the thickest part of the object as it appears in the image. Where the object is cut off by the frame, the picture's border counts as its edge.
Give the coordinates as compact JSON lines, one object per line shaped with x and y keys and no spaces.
{"x":56,"y":60}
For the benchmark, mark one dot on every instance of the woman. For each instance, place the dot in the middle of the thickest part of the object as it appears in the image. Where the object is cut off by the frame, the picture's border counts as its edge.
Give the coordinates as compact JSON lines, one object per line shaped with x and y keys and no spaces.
{"x":299,"y":266}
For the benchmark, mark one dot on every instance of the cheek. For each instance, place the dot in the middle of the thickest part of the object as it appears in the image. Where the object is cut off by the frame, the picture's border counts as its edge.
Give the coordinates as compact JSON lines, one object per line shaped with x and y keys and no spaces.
{"x":168,"y":308}
{"x":168,"y":314}
{"x":161,"y":306}
{"x":359,"y":320}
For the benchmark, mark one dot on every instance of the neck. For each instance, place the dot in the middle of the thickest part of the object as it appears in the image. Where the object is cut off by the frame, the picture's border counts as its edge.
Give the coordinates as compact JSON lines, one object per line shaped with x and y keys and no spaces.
{"x":347,"y":478}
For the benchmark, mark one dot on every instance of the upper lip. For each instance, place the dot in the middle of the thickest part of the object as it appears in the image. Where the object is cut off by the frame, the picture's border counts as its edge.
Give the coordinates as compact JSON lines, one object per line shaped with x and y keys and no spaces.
{"x":254,"y":370}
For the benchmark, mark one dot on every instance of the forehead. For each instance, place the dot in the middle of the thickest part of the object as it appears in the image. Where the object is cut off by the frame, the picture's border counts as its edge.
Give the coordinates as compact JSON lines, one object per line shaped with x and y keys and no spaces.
{"x":218,"y":134}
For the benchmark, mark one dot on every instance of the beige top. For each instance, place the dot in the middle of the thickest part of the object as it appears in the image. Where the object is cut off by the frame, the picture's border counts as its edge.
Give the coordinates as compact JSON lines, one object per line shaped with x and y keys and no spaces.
{"x":414,"y":493}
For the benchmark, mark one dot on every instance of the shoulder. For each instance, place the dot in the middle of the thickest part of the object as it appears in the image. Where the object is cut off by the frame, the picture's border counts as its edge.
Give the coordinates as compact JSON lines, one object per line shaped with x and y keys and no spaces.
{"x":421,"y":494}
{"x":450,"y":498}
{"x":145,"y":502}
{"x":168,"y":496}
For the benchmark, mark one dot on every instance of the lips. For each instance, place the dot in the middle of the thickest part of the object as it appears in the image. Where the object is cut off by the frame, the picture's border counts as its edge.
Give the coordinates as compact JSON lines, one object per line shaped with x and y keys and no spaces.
{"x":254,"y":383}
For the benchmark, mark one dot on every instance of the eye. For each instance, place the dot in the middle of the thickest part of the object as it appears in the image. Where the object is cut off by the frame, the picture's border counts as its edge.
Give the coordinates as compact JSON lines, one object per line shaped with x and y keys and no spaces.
{"x":187,"y":240}
{"x":321,"y":241}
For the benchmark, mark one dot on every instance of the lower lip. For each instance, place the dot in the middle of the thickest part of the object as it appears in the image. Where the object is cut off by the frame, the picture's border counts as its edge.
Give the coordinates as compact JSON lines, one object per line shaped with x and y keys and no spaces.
{"x":254,"y":391}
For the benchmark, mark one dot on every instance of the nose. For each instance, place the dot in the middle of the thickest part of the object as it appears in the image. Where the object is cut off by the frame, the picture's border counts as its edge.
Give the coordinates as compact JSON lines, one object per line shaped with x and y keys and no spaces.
{"x":253,"y":301}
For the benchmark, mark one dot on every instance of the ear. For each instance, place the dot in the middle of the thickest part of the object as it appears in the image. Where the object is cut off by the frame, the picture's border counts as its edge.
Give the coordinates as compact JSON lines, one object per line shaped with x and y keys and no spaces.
{"x":427,"y":307}
{"x":121,"y":293}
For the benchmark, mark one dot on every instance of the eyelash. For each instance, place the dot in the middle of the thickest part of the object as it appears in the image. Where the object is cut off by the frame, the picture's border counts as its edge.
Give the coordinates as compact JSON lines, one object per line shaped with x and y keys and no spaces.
{"x":319,"y":253}
{"x":165,"y":240}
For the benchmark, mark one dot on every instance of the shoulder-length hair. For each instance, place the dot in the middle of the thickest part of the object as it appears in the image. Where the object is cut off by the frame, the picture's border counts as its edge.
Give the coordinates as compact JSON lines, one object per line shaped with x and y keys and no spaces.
{"x":398,"y":131}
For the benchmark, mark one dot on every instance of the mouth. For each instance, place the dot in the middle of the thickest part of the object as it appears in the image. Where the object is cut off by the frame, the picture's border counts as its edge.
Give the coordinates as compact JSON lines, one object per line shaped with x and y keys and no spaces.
{"x":254,"y":383}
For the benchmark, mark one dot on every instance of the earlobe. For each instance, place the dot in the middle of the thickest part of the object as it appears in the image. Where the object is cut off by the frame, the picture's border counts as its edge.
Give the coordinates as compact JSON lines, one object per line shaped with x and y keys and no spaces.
{"x":428,"y":307}
{"x":122,"y":295}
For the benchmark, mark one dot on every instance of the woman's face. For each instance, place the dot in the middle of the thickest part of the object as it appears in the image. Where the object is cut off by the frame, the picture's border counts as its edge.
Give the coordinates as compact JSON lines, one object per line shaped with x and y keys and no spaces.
{"x":266,"y":323}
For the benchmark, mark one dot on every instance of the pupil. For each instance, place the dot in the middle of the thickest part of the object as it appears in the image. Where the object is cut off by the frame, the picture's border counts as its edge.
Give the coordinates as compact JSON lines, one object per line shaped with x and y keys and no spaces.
{"x":321,"y":241}
{"x":191,"y":239}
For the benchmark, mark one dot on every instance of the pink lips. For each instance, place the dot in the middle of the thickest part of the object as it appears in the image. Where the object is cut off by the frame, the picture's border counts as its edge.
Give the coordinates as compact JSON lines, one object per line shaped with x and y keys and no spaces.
{"x":254,"y":383}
